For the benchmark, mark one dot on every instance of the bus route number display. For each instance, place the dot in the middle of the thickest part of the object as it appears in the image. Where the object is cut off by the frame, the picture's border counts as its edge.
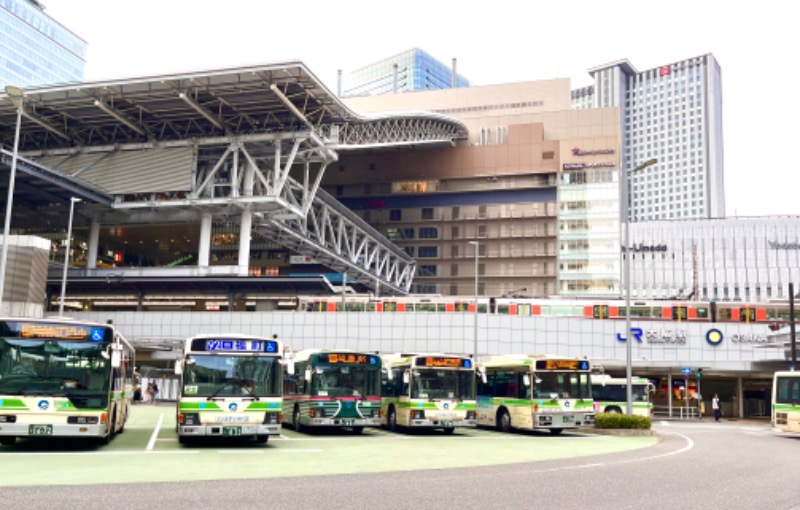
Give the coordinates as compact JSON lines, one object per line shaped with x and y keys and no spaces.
{"x":441,"y":362}
{"x":349,"y":359}
{"x":232,"y":345}
{"x":562,"y":364}
{"x":61,"y":332}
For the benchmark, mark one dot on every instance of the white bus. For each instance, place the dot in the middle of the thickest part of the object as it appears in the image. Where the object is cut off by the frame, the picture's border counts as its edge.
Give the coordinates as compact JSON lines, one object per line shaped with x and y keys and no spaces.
{"x":63,"y":378}
{"x":786,"y":401}
{"x":534,"y":392}
{"x":428,"y":391}
{"x":610,"y":395}
{"x":231,"y":386}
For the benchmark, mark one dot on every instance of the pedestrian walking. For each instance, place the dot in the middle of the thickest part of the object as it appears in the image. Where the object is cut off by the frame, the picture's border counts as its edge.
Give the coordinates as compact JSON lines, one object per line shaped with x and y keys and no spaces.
{"x":716,"y":408}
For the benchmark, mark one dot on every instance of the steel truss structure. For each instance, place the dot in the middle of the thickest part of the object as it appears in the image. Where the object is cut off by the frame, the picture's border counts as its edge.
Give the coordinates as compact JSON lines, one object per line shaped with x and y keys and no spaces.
{"x":260,"y":137}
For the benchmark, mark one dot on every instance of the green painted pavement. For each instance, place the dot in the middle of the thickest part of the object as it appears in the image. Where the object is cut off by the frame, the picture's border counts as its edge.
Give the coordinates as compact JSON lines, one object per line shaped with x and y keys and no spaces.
{"x":127,"y":458}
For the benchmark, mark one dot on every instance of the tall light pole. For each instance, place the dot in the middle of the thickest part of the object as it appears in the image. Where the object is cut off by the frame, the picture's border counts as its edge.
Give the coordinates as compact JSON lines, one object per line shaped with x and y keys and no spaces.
{"x":476,"y":244}
{"x":16,"y":96}
{"x":628,"y":335}
{"x":72,"y":202}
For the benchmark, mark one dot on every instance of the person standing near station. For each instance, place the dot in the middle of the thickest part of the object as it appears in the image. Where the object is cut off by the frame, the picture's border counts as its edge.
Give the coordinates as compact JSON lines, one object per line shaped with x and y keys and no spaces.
{"x":715,"y":407}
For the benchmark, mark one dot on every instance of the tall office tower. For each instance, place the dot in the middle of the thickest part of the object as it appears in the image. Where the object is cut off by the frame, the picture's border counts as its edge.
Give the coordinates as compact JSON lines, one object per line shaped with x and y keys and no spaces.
{"x":411,"y":70}
{"x":673,"y":113}
{"x":35,"y":49}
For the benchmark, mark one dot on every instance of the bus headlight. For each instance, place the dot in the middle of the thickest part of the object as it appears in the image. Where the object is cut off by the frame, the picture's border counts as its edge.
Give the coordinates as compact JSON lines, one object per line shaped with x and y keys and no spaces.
{"x":418,"y":415}
{"x":271,"y":418}
{"x":189,"y":418}
{"x":470,"y":415}
{"x":82,"y":420}
{"x":8,"y":418}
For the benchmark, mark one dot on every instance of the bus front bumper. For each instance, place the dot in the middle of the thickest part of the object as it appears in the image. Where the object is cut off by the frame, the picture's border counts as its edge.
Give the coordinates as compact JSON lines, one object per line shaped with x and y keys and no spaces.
{"x":53,"y":430}
{"x":344,"y":422}
{"x":447,"y":424}
{"x":229,"y":430}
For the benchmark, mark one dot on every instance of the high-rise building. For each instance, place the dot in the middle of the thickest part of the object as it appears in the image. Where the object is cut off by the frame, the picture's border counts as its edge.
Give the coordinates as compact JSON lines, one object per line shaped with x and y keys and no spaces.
{"x":35,"y":49}
{"x":410,"y":70}
{"x":673,"y":113}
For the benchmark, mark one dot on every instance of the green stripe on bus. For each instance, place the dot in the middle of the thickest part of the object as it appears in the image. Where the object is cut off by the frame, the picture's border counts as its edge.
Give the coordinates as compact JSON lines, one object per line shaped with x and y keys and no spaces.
{"x":14,"y":404}
{"x":786,"y":407}
{"x":199,"y":406}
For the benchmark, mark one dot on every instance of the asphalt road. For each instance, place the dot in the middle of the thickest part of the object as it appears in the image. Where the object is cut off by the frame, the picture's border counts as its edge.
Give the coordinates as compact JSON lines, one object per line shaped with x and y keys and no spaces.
{"x":731,"y":465}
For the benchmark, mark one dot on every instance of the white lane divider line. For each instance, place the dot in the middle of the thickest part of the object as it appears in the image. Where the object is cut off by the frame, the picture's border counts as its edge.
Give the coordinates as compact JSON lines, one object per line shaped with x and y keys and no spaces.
{"x":153,"y":438}
{"x":665,"y":423}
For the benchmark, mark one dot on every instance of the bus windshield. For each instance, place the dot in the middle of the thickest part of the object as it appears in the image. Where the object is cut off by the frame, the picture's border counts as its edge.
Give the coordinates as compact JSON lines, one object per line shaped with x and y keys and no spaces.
{"x":345,"y":381}
{"x":787,"y":390}
{"x":612,"y":392}
{"x":443,"y":384}
{"x":562,"y":385}
{"x":55,"y":367}
{"x":232,"y":376}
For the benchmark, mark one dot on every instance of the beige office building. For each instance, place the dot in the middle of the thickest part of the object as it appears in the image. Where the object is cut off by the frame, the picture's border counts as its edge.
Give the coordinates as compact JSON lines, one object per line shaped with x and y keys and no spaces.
{"x":535,"y":187}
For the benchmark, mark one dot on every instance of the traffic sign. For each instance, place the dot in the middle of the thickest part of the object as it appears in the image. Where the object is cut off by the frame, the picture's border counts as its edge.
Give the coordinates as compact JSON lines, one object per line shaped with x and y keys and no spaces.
{"x":686,"y":371}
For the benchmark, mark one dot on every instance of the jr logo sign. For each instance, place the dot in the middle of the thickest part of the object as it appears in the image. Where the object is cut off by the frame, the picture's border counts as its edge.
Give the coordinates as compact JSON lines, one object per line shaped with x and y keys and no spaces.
{"x":636,"y":332}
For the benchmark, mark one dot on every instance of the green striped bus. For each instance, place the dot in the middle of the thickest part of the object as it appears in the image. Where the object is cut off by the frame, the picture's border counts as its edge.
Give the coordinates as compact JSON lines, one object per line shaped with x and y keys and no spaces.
{"x":63,"y":378}
{"x":231,"y":387}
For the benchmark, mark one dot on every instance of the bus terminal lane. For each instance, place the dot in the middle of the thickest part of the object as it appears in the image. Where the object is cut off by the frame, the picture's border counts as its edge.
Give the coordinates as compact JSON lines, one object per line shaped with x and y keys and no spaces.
{"x":149,"y":448}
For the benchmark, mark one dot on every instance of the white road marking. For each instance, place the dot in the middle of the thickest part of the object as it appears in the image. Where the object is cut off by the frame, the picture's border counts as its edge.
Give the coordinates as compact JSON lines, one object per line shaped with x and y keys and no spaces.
{"x":153,"y":437}
{"x":300,"y":451}
{"x":665,"y":423}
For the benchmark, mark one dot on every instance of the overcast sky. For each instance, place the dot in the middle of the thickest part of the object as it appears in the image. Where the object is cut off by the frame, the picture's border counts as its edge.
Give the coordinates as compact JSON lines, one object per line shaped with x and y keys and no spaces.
{"x":494,"y":41}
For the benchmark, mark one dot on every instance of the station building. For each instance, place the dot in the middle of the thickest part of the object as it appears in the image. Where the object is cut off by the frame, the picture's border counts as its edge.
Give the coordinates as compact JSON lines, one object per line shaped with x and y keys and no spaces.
{"x":227,"y":159}
{"x":750,"y":260}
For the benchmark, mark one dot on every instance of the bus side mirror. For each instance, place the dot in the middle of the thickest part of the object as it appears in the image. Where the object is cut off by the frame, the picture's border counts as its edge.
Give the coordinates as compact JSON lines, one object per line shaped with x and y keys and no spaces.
{"x":178,"y":367}
{"x":116,"y":355}
{"x":406,"y":377}
{"x":290,"y":367}
{"x":307,"y":375}
{"x":389,"y":374}
{"x":526,"y":380}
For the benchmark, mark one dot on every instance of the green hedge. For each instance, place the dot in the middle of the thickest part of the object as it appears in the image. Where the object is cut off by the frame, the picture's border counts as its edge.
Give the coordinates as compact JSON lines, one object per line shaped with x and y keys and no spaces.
{"x":621,"y":421}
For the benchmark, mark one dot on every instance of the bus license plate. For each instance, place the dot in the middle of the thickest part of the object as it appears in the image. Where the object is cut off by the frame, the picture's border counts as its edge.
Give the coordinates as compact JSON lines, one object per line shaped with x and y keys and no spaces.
{"x":569,"y":419}
{"x":347,"y":423}
{"x":231,"y":431}
{"x":447,"y":424}
{"x":40,"y":430}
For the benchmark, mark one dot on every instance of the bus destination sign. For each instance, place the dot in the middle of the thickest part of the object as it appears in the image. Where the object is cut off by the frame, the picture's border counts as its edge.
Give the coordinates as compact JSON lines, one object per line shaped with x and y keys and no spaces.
{"x":442,"y":362}
{"x":236,"y":345}
{"x":58,"y":331}
{"x":562,"y":364}
{"x":348,"y":358}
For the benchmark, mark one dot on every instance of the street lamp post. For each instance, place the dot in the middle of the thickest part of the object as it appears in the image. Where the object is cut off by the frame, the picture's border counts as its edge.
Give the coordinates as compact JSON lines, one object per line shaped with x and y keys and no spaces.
{"x":16,"y":96}
{"x":628,"y":336}
{"x":72,"y":202}
{"x":476,"y":244}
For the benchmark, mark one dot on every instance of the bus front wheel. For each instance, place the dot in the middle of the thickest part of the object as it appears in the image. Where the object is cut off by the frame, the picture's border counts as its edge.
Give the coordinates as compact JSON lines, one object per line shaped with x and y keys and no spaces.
{"x":262,"y":438}
{"x":358,"y":430}
{"x":556,"y":432}
{"x":504,"y":421}
{"x":7,"y":440}
{"x":449,"y":430}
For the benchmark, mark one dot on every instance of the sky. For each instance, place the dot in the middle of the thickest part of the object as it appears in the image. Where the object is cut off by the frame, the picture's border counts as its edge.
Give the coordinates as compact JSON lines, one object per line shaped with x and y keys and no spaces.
{"x":498,"y":41}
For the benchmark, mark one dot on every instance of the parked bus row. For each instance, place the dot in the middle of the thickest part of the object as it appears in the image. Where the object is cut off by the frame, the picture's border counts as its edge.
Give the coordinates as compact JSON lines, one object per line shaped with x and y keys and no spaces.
{"x":67,"y":378}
